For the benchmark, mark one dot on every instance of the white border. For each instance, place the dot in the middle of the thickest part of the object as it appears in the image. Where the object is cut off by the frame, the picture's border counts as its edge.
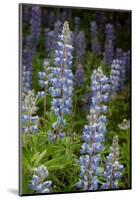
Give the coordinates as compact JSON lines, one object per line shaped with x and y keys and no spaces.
{"x":9,"y":98}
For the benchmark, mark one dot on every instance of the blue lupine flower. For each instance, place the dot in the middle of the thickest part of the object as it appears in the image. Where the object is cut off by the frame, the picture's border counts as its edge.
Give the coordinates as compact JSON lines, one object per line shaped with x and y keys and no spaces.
{"x":44,"y":78}
{"x":94,"y":133}
{"x":38,"y":182}
{"x":95,"y":45}
{"x":29,"y":47}
{"x":57,"y":31}
{"x":79,"y":76}
{"x":29,"y":122}
{"x":113,"y":169}
{"x":62,"y":83}
{"x":117,"y":76}
{"x":26,"y":14}
{"x":49,"y":35}
{"x":26,"y":80}
{"x":35,"y":24}
{"x":109,"y":44}
{"x":80,"y":46}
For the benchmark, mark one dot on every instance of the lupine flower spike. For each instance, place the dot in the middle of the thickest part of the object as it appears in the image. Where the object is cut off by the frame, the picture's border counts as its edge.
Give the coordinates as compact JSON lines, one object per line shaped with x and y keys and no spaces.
{"x":44,"y":78}
{"x":95,"y":45}
{"x":29,"y":122}
{"x":62,"y":84}
{"x":94,"y":133}
{"x":113,"y":170}
{"x":109,"y":44}
{"x":38,"y":183}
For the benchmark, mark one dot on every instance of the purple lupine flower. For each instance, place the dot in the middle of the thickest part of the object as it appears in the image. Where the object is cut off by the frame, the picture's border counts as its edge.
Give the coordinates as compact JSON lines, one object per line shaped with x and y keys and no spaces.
{"x":29,"y":108}
{"x":109,"y":44}
{"x":117,"y":76}
{"x":44,"y":77}
{"x":27,"y":55}
{"x":49,"y":36}
{"x":80,"y":45}
{"x":113,"y":169}
{"x":26,"y":14}
{"x":26,"y":80}
{"x":95,"y":46}
{"x":44,"y":80}
{"x":79,"y":76}
{"x":62,"y":83}
{"x":35,"y":24}
{"x":94,"y":133}
{"x":56,"y":32}
{"x":38,"y":182}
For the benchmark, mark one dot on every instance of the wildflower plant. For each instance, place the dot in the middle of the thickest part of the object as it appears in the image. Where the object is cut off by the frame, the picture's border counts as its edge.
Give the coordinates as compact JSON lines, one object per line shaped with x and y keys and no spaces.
{"x":67,"y":124}
{"x":79,"y":76}
{"x":113,"y":169}
{"x":109,"y":44}
{"x":35,"y":25}
{"x":117,"y":76}
{"x":38,"y":183}
{"x":26,"y":80}
{"x":95,"y":45}
{"x":44,"y":77}
{"x":62,"y":83}
{"x":29,"y":108}
{"x":80,"y":46}
{"x":94,"y":133}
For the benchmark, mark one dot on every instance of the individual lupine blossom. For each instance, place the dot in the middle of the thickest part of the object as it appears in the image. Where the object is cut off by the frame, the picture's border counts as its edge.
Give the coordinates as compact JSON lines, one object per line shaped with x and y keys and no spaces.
{"x":80,"y":45}
{"x":109,"y":44}
{"x":94,"y":133}
{"x":79,"y":76}
{"x":35,"y":25}
{"x":113,"y":169}
{"x":95,"y":45}
{"x":29,"y":108}
{"x":39,"y":183}
{"x":117,"y":76}
{"x":62,"y":83}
